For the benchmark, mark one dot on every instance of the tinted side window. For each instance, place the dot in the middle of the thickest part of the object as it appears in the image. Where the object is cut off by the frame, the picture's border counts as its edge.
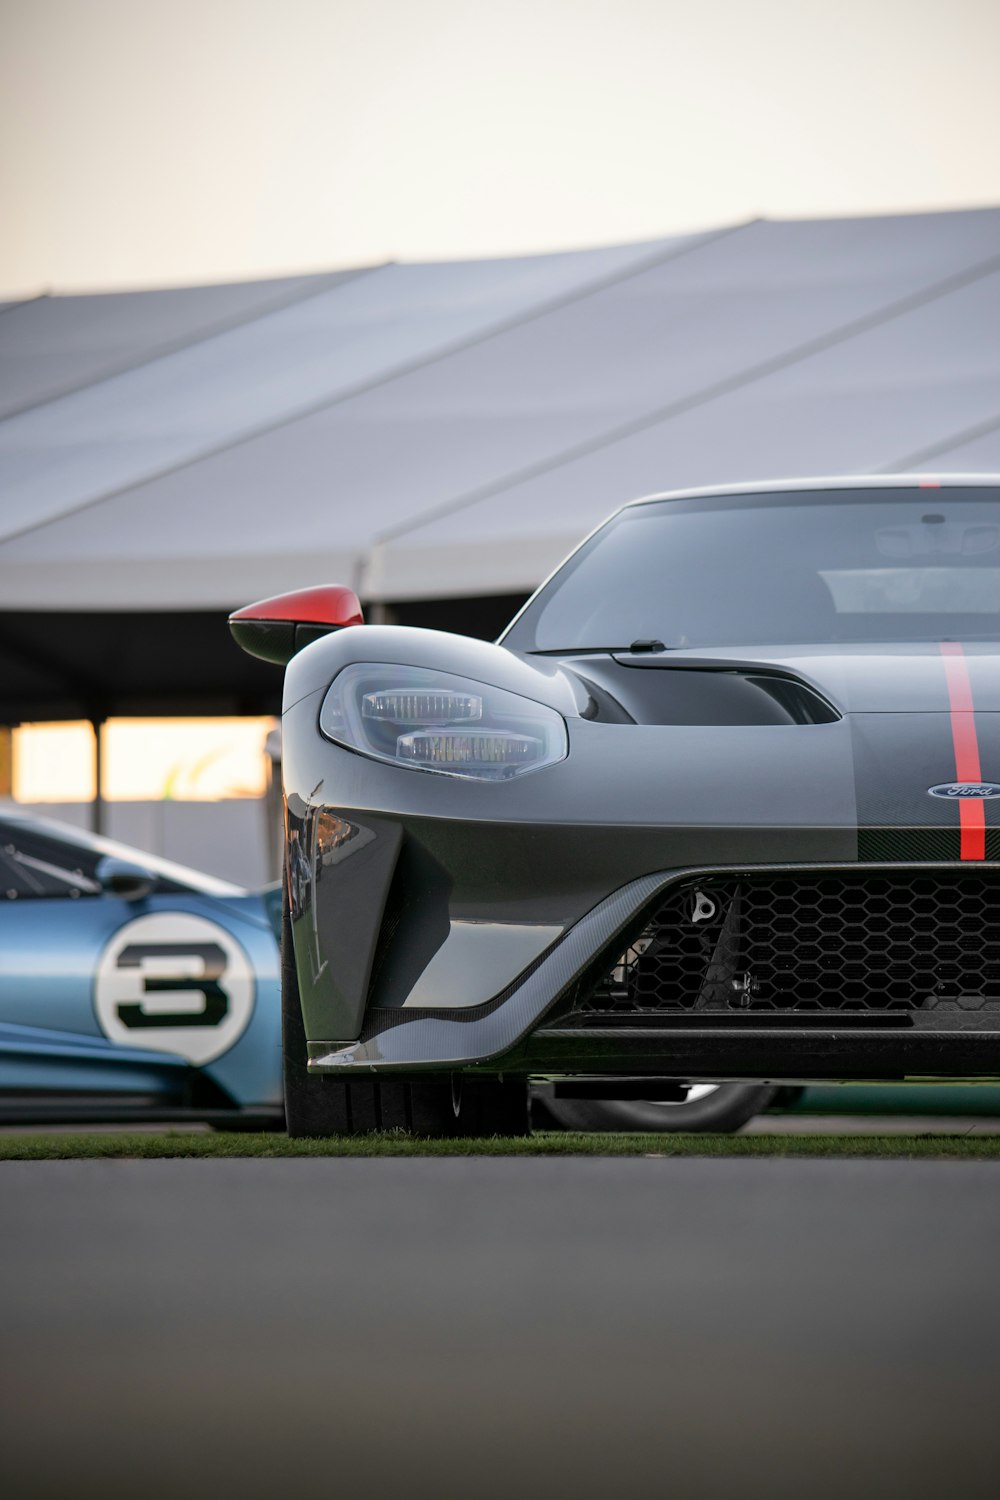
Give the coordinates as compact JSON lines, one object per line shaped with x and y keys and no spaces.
{"x":35,"y":867}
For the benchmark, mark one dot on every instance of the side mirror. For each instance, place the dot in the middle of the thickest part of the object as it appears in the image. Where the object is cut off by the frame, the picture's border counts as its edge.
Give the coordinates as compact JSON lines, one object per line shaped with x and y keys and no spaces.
{"x":122,"y":878}
{"x":274,"y":629}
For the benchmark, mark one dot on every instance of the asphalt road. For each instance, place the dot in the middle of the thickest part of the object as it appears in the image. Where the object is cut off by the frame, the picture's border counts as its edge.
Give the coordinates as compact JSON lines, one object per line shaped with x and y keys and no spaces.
{"x":488,"y":1328}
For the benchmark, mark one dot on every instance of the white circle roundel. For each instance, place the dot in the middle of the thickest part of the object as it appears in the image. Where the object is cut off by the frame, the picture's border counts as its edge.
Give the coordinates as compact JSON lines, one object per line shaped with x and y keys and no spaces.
{"x":174,"y":982}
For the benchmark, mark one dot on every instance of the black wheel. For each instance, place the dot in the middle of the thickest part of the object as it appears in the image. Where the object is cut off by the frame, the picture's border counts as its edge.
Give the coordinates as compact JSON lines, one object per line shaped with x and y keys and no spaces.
{"x":708,"y":1106}
{"x":439,"y":1104}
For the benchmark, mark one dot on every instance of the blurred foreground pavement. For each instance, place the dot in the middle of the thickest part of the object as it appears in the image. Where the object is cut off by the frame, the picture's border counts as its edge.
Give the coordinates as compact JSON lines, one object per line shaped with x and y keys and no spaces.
{"x":490,"y":1327}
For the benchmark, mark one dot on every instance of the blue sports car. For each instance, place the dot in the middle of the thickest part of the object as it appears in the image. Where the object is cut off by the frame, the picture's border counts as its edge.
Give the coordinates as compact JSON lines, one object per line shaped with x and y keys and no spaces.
{"x":131,"y":988}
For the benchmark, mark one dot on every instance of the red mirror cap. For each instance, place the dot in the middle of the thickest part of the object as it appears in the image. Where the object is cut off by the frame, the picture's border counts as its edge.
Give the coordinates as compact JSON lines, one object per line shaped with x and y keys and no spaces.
{"x":329,"y":605}
{"x":275,"y":629}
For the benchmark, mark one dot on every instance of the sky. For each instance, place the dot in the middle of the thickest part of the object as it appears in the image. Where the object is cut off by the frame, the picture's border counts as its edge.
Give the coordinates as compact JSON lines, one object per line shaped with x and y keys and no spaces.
{"x":150,"y":143}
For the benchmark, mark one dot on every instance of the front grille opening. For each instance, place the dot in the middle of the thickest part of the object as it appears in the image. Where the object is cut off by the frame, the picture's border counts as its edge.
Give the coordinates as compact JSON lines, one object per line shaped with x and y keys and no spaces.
{"x":811,"y":943}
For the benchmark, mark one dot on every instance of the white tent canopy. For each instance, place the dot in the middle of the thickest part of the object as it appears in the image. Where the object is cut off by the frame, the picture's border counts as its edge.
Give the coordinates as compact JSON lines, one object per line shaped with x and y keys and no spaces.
{"x":448,"y":430}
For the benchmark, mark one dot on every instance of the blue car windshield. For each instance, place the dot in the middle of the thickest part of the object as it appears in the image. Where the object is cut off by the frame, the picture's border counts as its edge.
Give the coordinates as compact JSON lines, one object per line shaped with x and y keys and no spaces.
{"x":792,"y":568}
{"x":54,"y":859}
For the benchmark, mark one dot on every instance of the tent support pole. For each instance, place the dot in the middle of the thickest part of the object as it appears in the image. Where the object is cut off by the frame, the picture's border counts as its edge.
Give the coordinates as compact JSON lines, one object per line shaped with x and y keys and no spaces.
{"x":380,"y":614}
{"x":97,"y":809}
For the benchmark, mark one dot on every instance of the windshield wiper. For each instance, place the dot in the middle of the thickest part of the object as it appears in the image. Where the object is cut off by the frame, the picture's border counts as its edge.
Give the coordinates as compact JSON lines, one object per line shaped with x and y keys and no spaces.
{"x":635,"y":646}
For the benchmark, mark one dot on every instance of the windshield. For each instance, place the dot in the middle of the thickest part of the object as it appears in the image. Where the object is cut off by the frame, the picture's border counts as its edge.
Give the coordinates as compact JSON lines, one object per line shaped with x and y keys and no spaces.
{"x":801,"y":568}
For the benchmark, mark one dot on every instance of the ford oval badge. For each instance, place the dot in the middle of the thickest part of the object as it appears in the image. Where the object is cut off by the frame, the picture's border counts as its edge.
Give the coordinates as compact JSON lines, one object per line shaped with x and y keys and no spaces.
{"x":982,"y":789}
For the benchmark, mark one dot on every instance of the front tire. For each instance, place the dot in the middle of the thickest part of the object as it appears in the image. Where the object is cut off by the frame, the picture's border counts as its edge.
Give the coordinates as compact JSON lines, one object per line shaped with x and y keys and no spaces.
{"x":435,"y":1105}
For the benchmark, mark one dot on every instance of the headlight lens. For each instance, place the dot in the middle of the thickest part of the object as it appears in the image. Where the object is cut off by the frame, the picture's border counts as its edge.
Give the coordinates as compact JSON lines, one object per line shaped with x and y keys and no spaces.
{"x":431,"y":721}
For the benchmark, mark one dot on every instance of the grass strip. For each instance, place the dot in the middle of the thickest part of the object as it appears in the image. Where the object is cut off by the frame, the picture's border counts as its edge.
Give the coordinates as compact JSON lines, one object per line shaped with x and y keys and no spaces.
{"x":148,"y":1145}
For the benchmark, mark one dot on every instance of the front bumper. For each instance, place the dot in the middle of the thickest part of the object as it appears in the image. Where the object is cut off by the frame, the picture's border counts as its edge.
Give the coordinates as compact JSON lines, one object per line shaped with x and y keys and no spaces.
{"x":535,"y":1029}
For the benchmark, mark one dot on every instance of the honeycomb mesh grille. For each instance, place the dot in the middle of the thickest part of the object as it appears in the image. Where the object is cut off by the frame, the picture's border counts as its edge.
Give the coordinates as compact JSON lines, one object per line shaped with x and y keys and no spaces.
{"x":812,"y":943}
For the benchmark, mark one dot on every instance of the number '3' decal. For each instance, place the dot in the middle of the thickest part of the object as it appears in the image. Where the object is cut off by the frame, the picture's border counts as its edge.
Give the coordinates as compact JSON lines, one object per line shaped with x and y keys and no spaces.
{"x":212,"y":962}
{"x":174,"y":982}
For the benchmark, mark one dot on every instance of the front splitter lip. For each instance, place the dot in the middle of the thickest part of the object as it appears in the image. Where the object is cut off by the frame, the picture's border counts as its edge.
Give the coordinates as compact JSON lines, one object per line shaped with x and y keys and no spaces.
{"x":488,"y":1034}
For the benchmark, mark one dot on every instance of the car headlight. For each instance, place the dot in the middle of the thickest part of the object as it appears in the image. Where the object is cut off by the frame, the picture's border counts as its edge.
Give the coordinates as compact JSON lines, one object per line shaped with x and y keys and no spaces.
{"x":431,"y":721}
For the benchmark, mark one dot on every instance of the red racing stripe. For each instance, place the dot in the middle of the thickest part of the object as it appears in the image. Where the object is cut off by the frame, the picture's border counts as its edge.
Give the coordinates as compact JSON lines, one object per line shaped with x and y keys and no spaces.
{"x":971,"y":812}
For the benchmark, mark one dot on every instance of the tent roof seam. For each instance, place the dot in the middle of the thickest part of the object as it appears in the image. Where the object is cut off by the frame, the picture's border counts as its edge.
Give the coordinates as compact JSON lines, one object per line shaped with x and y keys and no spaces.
{"x":457,"y":346}
{"x":661,"y":415}
{"x":204,"y":336}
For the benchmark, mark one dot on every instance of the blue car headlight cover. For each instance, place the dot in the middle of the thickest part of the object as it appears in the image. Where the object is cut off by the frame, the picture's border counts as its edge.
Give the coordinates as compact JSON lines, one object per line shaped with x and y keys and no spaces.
{"x":432,"y":721}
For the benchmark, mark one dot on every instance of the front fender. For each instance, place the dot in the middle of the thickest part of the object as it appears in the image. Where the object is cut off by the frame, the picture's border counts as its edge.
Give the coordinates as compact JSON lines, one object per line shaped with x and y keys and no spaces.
{"x":540,"y":678}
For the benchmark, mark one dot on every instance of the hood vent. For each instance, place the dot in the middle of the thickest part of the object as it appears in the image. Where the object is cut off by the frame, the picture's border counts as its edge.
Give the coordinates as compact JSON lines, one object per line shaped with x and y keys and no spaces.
{"x":707,"y":693}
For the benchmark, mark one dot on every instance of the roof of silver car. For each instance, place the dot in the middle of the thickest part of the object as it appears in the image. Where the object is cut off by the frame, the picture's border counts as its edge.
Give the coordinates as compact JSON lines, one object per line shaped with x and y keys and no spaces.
{"x":830,"y":482}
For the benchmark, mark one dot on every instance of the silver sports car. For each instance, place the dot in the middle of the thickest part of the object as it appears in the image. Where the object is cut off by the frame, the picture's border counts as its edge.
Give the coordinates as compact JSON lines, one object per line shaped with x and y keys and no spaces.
{"x":719,"y":805}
